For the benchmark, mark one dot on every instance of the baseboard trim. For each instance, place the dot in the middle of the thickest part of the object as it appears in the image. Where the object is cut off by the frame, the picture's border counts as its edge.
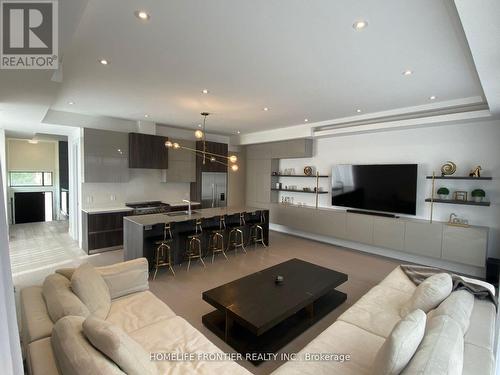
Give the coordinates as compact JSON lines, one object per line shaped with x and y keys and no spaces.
{"x":455,"y":267}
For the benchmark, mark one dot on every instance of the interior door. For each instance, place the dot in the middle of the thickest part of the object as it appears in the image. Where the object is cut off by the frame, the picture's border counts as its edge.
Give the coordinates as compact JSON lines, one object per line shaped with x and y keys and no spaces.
{"x":29,"y":207}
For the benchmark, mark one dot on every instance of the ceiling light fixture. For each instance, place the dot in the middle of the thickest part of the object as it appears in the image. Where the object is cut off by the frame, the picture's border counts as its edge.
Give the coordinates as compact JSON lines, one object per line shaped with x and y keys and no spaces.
{"x":212,"y":157}
{"x":433,"y":97}
{"x":238,"y":132}
{"x":204,"y":91}
{"x":359,"y":25}
{"x":71,"y":103}
{"x":358,"y":110}
{"x":408,"y":72}
{"x":266,"y":109}
{"x":146,"y":115}
{"x":104,"y":61}
{"x":142,"y":15}
{"x":306,"y":120}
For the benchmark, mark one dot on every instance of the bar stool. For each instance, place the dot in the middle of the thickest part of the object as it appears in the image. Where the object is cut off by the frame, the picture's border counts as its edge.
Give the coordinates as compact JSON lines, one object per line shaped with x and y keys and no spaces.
{"x":216,"y":239}
{"x":236,"y":237}
{"x":256,"y":234}
{"x":163,"y":256}
{"x":194,"y":244}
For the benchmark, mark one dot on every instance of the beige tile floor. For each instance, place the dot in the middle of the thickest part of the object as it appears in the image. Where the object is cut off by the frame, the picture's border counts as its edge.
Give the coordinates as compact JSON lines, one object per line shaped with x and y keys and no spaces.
{"x":38,"y":249}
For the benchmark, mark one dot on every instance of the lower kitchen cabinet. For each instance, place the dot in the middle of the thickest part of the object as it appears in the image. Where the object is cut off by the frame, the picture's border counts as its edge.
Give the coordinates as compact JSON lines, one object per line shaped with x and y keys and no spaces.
{"x":102,"y":231}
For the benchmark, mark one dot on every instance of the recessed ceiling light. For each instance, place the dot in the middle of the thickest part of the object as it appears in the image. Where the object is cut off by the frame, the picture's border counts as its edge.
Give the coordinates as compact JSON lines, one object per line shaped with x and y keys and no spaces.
{"x":408,"y":72}
{"x":358,"y":110}
{"x":266,"y":109}
{"x":359,"y":25}
{"x":205,"y":91}
{"x":104,"y":62}
{"x":433,"y":97}
{"x":71,"y":103}
{"x":306,"y":120}
{"x":142,"y":15}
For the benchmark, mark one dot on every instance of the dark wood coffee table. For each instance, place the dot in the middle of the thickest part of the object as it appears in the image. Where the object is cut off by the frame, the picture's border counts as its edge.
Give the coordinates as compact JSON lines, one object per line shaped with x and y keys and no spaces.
{"x":256,"y":315}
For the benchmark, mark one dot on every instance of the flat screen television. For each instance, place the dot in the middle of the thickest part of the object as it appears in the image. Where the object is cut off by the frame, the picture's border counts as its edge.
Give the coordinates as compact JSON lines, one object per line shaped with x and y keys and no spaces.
{"x":380,"y":187}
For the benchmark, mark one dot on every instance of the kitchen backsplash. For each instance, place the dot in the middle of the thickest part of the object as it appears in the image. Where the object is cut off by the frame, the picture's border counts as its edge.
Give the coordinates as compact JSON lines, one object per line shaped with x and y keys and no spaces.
{"x":144,"y":185}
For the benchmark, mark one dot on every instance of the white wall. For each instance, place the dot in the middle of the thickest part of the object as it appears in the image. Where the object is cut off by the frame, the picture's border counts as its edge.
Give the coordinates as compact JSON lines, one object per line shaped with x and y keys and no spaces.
{"x":466,"y":145}
{"x":144,"y":185}
{"x":3,"y":166}
{"x":10,"y":349}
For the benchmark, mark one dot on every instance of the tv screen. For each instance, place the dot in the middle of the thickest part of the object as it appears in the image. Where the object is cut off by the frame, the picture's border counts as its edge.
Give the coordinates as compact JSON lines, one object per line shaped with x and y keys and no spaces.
{"x":385,"y":187}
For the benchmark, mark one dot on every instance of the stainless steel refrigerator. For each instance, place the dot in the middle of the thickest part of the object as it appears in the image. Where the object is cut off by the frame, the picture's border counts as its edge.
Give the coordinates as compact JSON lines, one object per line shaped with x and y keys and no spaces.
{"x":213,"y":189}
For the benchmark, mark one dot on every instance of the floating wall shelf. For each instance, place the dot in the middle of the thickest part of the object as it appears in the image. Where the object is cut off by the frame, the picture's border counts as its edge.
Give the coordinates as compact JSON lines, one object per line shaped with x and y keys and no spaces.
{"x":458,"y":178}
{"x":454,"y":201}
{"x":297,"y":175}
{"x":300,"y":191}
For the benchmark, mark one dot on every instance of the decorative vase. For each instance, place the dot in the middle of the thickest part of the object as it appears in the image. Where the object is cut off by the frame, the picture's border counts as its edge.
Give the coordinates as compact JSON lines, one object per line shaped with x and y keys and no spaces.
{"x":443,"y":196}
{"x":478,"y":199}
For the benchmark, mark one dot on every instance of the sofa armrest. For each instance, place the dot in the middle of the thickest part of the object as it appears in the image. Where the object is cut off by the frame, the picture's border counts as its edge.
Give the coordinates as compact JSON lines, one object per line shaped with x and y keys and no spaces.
{"x":127,"y":277}
{"x":35,"y":320}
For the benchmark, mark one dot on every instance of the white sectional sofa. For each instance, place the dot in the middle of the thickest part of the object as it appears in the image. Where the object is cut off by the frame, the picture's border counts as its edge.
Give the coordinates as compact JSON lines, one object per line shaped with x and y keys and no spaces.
{"x":359,"y":332}
{"x":134,"y":309}
{"x":363,"y":328}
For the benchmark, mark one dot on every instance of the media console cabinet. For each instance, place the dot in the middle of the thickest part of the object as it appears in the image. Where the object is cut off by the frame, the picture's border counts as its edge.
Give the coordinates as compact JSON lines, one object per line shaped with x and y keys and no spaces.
{"x":418,"y":237}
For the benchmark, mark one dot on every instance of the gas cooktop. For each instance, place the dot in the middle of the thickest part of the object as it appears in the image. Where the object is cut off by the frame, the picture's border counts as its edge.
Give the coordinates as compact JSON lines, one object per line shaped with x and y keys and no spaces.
{"x":150,"y":207}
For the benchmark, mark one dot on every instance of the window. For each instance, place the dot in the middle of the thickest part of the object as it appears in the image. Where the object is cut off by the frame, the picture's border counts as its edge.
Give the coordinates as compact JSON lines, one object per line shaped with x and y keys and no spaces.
{"x":19,"y":179}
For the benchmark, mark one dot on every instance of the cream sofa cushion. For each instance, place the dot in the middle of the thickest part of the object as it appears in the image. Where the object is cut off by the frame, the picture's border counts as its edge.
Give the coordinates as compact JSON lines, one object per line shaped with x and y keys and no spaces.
{"x":118,"y":346}
{"x":91,"y":288}
{"x":138,"y":310}
{"x":176,"y":335}
{"x":73,"y":352}
{"x":60,"y":300}
{"x":441,"y":351}
{"x":429,"y":294}
{"x":457,"y":306}
{"x":401,"y":345}
{"x":126,"y":278}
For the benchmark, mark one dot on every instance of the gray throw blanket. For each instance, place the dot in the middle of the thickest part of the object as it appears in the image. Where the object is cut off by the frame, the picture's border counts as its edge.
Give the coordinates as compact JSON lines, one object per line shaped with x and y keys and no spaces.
{"x":418,"y":274}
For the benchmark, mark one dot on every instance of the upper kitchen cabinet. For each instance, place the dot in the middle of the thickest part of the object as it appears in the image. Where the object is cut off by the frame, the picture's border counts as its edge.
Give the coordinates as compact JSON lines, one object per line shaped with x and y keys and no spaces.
{"x":105,"y":156}
{"x":294,"y":148}
{"x":147,"y":151}
{"x":214,"y":148}
{"x":181,"y":164}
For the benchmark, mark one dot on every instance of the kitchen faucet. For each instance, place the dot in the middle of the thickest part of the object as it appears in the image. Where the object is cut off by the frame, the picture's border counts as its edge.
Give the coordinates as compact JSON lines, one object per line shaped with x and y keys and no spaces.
{"x":189,"y":206}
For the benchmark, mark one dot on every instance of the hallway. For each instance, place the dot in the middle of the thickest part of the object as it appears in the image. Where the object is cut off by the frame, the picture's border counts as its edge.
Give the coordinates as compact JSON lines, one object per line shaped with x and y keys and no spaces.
{"x":37,"y":245}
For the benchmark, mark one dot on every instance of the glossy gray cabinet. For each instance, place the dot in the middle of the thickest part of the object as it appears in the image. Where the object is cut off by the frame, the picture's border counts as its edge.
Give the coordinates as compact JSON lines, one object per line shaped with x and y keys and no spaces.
{"x":295,"y":148}
{"x":181,"y":164}
{"x":435,"y":240}
{"x":105,"y":156}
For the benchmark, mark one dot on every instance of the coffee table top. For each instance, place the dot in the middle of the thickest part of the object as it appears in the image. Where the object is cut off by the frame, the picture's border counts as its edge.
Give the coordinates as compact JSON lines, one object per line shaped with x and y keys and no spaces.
{"x":258,"y":303}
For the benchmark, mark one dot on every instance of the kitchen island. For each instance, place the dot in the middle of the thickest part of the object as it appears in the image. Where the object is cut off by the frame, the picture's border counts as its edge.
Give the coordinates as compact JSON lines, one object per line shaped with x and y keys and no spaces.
{"x":142,"y":231}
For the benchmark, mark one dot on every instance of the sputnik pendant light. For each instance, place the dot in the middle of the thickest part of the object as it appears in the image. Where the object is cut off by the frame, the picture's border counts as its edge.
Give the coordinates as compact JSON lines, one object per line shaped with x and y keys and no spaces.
{"x":210,"y":156}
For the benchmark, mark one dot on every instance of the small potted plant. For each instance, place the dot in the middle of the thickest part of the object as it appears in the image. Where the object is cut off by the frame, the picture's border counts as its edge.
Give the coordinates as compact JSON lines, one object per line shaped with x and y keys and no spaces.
{"x":478,"y":195}
{"x":443,"y":193}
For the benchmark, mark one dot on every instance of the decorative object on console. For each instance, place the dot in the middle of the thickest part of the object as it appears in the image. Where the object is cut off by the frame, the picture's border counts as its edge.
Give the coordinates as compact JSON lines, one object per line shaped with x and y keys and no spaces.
{"x":201,"y":135}
{"x":478,"y":194}
{"x":476,"y":172}
{"x":455,"y":221}
{"x":460,"y":195}
{"x":448,"y":168}
{"x":308,"y":171}
{"x":443,"y":193}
